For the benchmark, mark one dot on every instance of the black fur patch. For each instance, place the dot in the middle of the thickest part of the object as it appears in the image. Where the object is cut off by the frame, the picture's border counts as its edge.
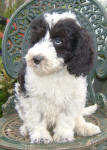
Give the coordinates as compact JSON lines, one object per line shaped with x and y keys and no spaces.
{"x":38,"y":30}
{"x":21,"y":78}
{"x":76,"y":48}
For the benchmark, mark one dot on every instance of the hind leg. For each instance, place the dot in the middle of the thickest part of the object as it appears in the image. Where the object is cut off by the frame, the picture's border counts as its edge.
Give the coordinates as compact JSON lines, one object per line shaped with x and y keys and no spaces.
{"x":84,"y":128}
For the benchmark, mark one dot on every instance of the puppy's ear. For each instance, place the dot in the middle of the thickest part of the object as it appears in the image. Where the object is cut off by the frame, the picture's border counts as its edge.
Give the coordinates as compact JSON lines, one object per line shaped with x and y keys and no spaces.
{"x":82,"y":61}
{"x":38,"y":30}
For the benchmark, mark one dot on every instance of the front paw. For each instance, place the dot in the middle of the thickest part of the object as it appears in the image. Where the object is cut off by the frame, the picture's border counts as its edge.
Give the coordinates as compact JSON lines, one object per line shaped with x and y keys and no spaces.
{"x":23,"y":130}
{"x":63,"y":138}
{"x":40,"y":139}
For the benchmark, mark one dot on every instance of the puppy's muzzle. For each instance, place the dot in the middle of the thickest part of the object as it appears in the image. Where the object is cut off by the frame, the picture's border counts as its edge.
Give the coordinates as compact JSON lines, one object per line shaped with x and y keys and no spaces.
{"x":37,"y":59}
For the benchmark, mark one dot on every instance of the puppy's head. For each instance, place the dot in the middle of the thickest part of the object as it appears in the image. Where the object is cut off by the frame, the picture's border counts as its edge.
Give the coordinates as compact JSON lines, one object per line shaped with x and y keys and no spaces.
{"x":58,"y":42}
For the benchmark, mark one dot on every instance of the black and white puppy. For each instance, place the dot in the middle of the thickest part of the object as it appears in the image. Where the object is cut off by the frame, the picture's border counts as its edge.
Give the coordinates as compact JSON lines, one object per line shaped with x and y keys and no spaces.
{"x":52,"y":86}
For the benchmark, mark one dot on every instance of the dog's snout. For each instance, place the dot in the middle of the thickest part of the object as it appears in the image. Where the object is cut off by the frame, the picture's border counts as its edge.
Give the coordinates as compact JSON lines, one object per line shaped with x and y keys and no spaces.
{"x":37,"y":59}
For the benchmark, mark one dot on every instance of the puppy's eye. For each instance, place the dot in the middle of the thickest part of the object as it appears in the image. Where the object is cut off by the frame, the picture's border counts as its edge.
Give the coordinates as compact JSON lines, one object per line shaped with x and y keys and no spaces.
{"x":57,"y":41}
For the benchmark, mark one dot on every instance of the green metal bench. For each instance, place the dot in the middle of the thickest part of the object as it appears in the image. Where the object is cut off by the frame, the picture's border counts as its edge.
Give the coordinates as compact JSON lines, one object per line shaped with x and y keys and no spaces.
{"x":92,"y":16}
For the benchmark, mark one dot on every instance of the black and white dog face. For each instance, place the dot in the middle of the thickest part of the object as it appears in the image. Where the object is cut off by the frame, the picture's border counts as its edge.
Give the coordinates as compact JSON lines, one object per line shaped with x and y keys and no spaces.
{"x":58,"y":41}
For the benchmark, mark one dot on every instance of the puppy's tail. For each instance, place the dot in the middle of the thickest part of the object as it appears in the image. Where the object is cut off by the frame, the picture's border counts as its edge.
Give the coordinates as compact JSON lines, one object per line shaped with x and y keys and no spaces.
{"x":87,"y":111}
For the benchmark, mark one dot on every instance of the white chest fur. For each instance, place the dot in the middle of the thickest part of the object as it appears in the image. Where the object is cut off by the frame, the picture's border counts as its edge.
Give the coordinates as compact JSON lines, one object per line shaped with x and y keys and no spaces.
{"x":57,"y":92}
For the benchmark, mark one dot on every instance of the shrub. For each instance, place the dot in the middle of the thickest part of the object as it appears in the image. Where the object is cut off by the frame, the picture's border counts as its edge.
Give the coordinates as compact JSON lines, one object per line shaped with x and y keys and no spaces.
{"x":6,"y":83}
{"x":6,"y":86}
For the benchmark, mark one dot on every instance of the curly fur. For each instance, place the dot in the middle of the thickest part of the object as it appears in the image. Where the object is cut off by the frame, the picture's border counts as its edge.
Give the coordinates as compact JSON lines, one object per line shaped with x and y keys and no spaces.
{"x":52,"y":87}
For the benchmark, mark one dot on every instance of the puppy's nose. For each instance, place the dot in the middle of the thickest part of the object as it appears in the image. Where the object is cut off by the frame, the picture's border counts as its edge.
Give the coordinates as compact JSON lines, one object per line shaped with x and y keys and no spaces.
{"x":37,"y":59}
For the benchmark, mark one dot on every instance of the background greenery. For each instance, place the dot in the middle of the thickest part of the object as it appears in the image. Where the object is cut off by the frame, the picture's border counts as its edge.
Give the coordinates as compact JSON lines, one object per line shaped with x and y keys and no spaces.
{"x":6,"y":83}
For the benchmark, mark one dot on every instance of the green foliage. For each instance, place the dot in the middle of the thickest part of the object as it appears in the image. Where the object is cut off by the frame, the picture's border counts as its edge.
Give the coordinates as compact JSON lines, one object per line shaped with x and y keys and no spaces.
{"x":11,"y":9}
{"x":7,"y":12}
{"x":6,"y":83}
{"x":6,"y":86}
{"x":0,"y":43}
{"x":2,"y":7}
